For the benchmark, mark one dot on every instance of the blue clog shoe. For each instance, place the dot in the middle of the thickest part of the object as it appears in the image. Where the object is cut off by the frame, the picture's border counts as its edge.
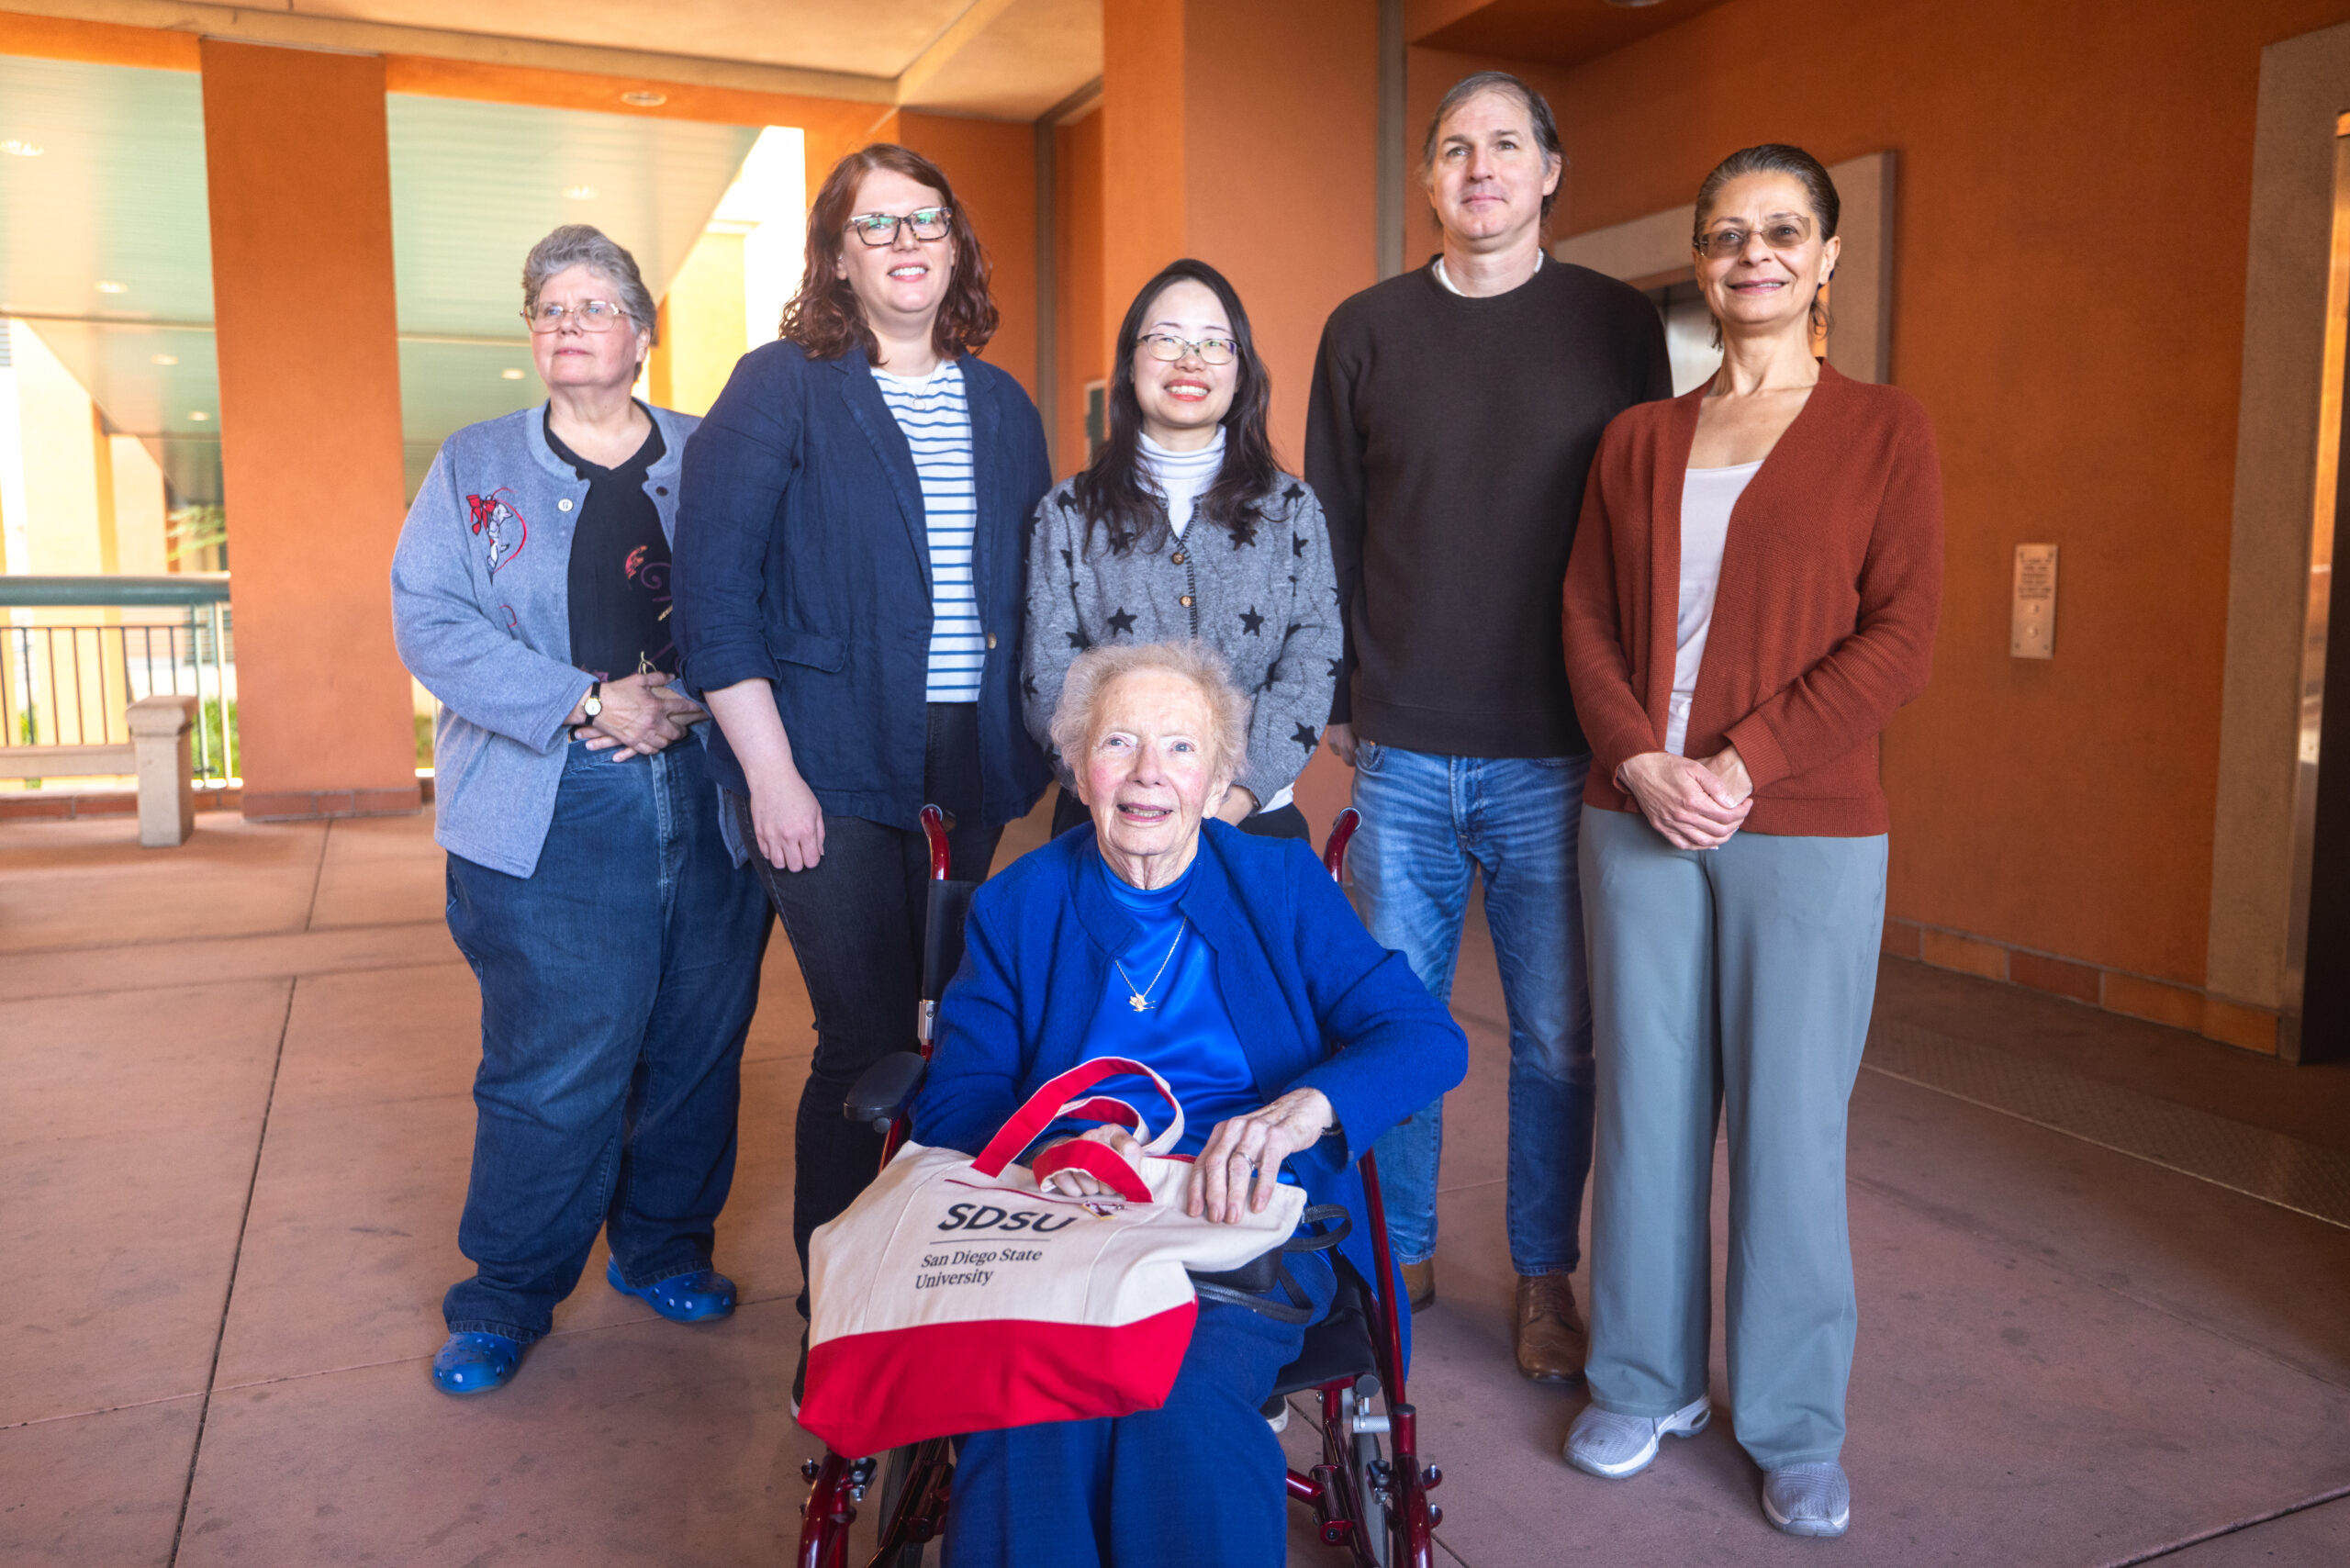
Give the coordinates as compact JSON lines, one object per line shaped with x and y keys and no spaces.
{"x":476,"y":1363}
{"x":695,"y":1297}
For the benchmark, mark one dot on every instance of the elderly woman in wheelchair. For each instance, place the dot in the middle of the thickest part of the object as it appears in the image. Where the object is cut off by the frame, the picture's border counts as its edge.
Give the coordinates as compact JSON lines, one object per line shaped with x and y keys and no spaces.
{"x":1236,"y":969}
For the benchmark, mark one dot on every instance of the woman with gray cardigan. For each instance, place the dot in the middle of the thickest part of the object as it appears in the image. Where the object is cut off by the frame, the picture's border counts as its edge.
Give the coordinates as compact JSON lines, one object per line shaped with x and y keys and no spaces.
{"x":1182,"y":527}
{"x":616,"y":943}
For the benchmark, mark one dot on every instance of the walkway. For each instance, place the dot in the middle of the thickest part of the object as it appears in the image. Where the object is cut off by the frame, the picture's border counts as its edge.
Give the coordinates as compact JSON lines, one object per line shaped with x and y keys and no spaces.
{"x":235,"y":1136}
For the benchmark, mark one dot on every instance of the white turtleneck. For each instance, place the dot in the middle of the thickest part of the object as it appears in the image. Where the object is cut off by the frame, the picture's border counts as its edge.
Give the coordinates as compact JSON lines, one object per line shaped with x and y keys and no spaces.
{"x":1182,"y":476}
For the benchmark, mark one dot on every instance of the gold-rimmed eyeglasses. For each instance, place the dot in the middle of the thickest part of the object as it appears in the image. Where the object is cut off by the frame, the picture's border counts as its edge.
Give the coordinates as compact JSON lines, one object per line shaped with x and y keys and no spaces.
{"x":1212,"y":351}
{"x":1784,"y":233}
{"x":879,"y":228}
{"x":588,"y":316}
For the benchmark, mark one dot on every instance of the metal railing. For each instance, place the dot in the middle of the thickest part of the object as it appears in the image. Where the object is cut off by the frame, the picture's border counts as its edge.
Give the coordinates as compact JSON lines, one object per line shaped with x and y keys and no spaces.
{"x":77,"y":651}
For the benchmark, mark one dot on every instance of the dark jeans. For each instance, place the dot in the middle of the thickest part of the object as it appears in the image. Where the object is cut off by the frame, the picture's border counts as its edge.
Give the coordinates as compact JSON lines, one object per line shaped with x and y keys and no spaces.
{"x":856,"y":922}
{"x":617,"y":983}
{"x":1287,"y":821}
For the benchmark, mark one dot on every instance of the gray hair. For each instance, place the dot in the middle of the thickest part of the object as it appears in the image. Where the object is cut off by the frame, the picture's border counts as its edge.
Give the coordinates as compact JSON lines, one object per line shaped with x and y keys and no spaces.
{"x":585,"y":245}
{"x":1091,"y":673}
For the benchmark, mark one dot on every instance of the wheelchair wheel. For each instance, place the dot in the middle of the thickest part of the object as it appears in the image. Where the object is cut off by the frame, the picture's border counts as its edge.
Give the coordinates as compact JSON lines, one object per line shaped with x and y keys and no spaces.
{"x":1369,"y":1479}
{"x":912,"y":1481}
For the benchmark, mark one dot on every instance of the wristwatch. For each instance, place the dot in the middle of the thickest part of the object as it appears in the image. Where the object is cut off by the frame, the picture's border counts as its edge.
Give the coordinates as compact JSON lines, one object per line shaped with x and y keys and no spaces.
{"x":593,"y":703}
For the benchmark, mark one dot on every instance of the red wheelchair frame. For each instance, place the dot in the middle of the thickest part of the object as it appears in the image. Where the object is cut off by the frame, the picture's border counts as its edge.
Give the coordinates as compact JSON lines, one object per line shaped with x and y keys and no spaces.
{"x":1373,"y":1505}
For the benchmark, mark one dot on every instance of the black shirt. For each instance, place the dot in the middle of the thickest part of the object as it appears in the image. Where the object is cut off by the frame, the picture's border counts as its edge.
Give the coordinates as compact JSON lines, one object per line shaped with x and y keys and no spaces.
{"x":620,"y":567}
{"x":1449,"y":439}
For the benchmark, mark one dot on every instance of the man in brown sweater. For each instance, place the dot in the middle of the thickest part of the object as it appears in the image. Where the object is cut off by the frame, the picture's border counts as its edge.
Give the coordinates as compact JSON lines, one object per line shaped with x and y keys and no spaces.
{"x":1454,"y":416}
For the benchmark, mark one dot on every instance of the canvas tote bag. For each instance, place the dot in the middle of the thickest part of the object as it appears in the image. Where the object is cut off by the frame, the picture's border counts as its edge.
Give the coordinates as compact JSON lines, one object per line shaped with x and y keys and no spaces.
{"x":955,"y":1295}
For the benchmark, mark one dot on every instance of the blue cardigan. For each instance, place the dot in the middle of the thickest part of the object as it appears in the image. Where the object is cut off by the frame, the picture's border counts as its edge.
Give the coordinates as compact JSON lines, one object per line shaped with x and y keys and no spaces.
{"x":1318,"y":1003}
{"x":802,"y":558}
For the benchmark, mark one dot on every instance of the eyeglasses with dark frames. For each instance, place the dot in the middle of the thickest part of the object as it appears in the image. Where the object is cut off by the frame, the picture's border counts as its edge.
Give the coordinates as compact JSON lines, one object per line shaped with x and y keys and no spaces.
{"x":879,"y":228}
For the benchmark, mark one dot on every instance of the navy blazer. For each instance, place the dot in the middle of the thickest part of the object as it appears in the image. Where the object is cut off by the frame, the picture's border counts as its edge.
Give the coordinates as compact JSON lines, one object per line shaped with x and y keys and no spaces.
{"x":1317,"y":1003}
{"x":802,"y":558}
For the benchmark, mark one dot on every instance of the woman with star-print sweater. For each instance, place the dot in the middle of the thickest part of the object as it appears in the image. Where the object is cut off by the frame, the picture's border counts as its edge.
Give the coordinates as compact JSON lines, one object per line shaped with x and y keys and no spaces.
{"x":1183,"y":527}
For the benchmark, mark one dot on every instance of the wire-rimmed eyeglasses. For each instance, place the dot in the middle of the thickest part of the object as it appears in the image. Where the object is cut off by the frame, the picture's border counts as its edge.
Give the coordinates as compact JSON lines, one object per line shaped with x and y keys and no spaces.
{"x":1212,"y":351}
{"x":588,"y":316}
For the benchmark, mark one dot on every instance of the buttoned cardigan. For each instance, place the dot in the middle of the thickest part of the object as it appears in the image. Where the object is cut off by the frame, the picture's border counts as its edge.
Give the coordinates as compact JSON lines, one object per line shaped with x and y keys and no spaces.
{"x":1824,"y":622}
{"x":1263,"y":594}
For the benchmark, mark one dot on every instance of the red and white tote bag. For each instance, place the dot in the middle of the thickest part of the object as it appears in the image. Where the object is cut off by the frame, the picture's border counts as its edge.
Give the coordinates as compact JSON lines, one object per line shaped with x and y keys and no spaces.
{"x":955,"y":1295}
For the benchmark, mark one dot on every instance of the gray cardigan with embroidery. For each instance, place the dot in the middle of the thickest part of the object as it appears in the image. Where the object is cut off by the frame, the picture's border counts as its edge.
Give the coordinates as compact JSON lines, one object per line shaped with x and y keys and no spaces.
{"x":1265,"y":595}
{"x":481,"y":611}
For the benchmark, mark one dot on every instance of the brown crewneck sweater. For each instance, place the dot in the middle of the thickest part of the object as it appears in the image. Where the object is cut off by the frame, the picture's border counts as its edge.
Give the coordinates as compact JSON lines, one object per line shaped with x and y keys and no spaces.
{"x":1449,"y":439}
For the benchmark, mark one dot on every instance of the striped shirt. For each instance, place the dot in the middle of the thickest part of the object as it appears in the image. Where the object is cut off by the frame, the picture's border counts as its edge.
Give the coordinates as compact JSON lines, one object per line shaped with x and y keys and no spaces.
{"x":936,"y":421}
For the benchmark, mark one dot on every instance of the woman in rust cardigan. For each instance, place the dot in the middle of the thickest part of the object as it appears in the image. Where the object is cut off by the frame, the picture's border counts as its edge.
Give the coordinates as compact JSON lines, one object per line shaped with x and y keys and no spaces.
{"x":1752,"y":593}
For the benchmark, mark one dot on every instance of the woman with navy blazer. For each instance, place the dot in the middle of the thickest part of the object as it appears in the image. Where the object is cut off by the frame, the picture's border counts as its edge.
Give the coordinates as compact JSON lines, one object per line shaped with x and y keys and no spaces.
{"x":849,"y":584}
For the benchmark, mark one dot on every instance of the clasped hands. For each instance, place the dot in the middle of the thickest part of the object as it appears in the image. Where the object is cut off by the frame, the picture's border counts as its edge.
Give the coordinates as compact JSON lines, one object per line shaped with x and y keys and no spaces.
{"x":641,"y":716}
{"x":1695,"y":805}
{"x":1242,"y":1151}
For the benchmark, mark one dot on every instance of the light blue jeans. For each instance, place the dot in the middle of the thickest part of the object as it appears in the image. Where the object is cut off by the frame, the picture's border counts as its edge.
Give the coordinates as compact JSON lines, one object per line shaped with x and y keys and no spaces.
{"x":1429,"y":824}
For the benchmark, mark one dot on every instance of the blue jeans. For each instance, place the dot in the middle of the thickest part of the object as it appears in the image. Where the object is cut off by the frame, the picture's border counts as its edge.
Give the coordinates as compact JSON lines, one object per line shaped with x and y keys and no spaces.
{"x":1428,"y":823}
{"x":617,"y":984}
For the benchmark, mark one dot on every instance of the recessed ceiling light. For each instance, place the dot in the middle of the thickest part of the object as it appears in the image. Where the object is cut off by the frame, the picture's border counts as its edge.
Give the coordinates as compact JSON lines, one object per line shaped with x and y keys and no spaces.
{"x":198,"y":415}
{"x":162,"y":359}
{"x":581,"y":192}
{"x":641,"y":99}
{"x":16,"y":148}
{"x":109,"y":287}
{"x":510,"y":374}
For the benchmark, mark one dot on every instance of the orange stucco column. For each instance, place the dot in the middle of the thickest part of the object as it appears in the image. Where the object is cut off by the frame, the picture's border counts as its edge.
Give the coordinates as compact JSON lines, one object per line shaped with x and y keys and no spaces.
{"x":300,"y":185}
{"x":1245,"y":134}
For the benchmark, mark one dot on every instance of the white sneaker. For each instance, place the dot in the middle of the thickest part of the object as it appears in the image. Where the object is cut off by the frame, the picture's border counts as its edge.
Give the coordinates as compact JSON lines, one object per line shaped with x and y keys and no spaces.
{"x":1611,"y":1447}
{"x":1808,"y":1499}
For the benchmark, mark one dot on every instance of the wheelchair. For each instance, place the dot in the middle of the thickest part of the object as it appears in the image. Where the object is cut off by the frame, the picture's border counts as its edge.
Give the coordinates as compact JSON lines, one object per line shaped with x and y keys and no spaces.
{"x":1368,"y":1493}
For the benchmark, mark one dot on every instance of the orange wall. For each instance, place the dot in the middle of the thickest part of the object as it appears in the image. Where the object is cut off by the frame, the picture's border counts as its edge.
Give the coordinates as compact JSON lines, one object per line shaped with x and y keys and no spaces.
{"x":2073,"y":212}
{"x":301,"y":202}
{"x":994,"y":167}
{"x":1080,"y":331}
{"x":1263,"y":118}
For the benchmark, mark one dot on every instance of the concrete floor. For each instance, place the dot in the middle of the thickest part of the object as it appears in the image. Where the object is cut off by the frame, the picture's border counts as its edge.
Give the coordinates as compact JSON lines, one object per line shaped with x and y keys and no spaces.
{"x":235,"y":1139}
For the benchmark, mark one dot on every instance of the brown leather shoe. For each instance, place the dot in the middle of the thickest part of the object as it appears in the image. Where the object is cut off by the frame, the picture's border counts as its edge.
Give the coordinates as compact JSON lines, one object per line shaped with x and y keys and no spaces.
{"x":1419,"y":1282}
{"x":1549,"y":1336}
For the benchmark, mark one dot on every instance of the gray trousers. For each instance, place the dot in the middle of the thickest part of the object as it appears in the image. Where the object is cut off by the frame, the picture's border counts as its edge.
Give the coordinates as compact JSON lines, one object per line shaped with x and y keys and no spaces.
{"x":1737,"y":979}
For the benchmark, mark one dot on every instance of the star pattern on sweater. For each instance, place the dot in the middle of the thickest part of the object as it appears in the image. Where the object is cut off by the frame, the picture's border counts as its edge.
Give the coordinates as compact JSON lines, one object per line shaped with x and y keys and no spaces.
{"x":1251,"y":621}
{"x":1068,"y":559}
{"x":1029,"y":685}
{"x":1077,"y":640}
{"x":1295,"y":492}
{"x":1123,"y":621}
{"x":1243,"y":532}
{"x":1336,"y":666}
{"x":1297,"y":544}
{"x":1304,"y":736}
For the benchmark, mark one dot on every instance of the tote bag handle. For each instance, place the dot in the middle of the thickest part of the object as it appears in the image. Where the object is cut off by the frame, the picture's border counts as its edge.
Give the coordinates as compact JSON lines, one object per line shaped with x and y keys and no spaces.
{"x":1065,"y":1096}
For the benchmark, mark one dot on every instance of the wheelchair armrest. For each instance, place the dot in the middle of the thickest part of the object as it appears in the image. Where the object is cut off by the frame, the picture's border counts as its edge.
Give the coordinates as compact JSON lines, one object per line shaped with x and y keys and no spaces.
{"x":885,"y":1090}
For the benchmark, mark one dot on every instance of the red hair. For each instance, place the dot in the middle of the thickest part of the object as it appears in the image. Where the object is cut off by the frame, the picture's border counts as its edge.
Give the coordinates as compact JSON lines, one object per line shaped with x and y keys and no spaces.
{"x":824,"y":317}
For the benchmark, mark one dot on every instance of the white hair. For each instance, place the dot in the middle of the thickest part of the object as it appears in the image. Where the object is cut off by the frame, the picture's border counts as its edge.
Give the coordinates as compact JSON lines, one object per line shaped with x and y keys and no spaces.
{"x":1076,"y":718}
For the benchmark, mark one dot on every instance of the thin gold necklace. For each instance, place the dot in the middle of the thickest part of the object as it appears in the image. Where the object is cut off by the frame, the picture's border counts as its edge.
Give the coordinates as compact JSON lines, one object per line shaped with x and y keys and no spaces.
{"x":1140,"y":1000}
